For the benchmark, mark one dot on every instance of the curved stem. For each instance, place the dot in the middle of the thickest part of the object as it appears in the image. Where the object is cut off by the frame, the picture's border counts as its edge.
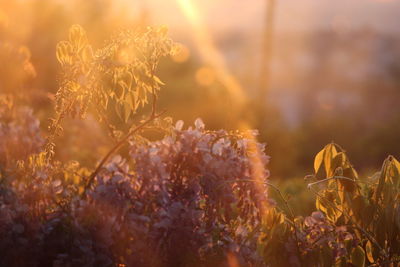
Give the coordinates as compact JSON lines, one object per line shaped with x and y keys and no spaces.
{"x":358,"y":227}
{"x":335,"y":178}
{"x":116,"y":147}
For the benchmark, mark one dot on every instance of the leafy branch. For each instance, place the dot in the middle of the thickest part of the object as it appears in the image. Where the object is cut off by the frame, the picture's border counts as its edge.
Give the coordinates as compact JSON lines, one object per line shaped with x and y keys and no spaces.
{"x":120,"y":143}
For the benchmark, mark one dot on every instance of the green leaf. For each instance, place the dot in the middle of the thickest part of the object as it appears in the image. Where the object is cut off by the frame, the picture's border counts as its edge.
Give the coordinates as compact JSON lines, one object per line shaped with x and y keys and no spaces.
{"x":358,"y":257}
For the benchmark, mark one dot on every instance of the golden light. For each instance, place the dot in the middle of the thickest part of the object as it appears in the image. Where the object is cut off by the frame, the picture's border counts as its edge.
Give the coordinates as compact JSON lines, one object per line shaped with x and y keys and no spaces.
{"x":210,"y":53}
{"x":205,"y":76}
{"x":125,"y":55}
{"x":258,"y":171}
{"x":4,"y":21}
{"x":232,"y":260}
{"x":218,"y":67}
{"x":183,"y":54}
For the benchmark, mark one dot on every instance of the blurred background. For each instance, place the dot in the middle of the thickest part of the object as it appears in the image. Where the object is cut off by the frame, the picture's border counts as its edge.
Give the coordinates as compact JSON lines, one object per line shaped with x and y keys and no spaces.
{"x":304,"y":73}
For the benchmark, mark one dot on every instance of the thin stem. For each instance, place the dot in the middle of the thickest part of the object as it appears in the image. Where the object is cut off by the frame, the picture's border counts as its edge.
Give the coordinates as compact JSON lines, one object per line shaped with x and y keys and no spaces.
{"x":116,"y":147}
{"x":368,"y":235}
{"x":292,"y":216}
{"x":49,"y":147}
{"x":109,"y":126}
{"x":334,"y":178}
{"x":152,"y":117}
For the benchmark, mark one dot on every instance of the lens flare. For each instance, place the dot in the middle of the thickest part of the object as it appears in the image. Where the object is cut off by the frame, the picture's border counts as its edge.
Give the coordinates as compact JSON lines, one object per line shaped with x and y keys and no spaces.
{"x":205,"y":76}
{"x":259,"y":174}
{"x":215,"y":59}
{"x":183,"y":54}
{"x":210,"y":53}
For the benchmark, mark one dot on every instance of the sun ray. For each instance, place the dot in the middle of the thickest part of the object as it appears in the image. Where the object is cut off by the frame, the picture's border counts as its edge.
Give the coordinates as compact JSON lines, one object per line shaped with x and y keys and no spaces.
{"x":210,"y":53}
{"x":215,"y":59}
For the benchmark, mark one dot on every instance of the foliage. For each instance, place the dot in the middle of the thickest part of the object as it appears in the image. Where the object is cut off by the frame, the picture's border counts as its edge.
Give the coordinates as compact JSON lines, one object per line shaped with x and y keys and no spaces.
{"x":194,"y":197}
{"x":18,"y":71}
{"x":182,"y":203}
{"x":119,"y":76}
{"x":19,"y":133}
{"x":370,"y":206}
{"x":357,"y":222}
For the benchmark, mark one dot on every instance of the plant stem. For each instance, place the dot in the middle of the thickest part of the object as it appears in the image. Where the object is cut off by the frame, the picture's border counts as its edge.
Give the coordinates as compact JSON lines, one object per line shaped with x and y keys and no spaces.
{"x":334,"y":178}
{"x":365,"y":232}
{"x":116,"y":147}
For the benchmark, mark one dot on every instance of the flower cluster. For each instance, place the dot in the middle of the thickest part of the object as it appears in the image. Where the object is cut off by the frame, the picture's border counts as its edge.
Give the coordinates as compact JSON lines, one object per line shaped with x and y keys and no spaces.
{"x":186,"y":200}
{"x":19,"y":133}
{"x":320,"y":235}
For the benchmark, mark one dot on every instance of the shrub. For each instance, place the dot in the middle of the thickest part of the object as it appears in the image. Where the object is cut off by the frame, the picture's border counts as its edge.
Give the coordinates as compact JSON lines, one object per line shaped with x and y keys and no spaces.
{"x":193,"y":198}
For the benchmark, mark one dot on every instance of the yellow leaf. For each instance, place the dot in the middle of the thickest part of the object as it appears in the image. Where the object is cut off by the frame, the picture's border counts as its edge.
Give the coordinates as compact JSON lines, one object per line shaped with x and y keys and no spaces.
{"x":320,"y":206}
{"x":157,"y":80}
{"x":64,"y":53}
{"x":77,"y":37}
{"x":319,"y":160}
{"x":87,"y":54}
{"x":330,"y":153}
{"x":368,"y":249}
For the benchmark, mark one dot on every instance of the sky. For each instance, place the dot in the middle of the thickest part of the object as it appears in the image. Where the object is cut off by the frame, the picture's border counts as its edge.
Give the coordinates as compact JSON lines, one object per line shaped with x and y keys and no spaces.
{"x":291,"y":15}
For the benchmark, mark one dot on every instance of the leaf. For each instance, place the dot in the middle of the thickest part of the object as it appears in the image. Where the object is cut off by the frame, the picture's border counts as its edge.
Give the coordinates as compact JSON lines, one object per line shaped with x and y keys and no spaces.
{"x":330,"y":153}
{"x":326,"y":203}
{"x":77,"y":37}
{"x":319,"y":160}
{"x":64,"y":53}
{"x":127,"y":110}
{"x":141,"y":95}
{"x":382,"y":179}
{"x":358,"y":257}
{"x":325,"y":158}
{"x":358,"y":206}
{"x":179,"y":125}
{"x":397,"y":215}
{"x":320,"y":206}
{"x":339,"y":161}
{"x":132,"y":101}
{"x":199,"y":124}
{"x":157,"y":80}
{"x":87,"y":54}
{"x":368,"y":250}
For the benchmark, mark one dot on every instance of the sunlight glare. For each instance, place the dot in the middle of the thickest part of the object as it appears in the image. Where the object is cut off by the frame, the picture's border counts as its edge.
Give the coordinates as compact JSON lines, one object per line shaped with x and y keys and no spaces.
{"x":205,"y":76}
{"x":210,"y":53}
{"x":258,"y":171}
{"x":183,"y":54}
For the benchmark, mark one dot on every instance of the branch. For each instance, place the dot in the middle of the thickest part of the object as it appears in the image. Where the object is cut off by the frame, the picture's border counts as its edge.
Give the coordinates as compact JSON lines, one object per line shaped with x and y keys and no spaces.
{"x":285,"y":201}
{"x":358,"y":227}
{"x":153,"y":116}
{"x":116,"y":147}
{"x":335,"y":178}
